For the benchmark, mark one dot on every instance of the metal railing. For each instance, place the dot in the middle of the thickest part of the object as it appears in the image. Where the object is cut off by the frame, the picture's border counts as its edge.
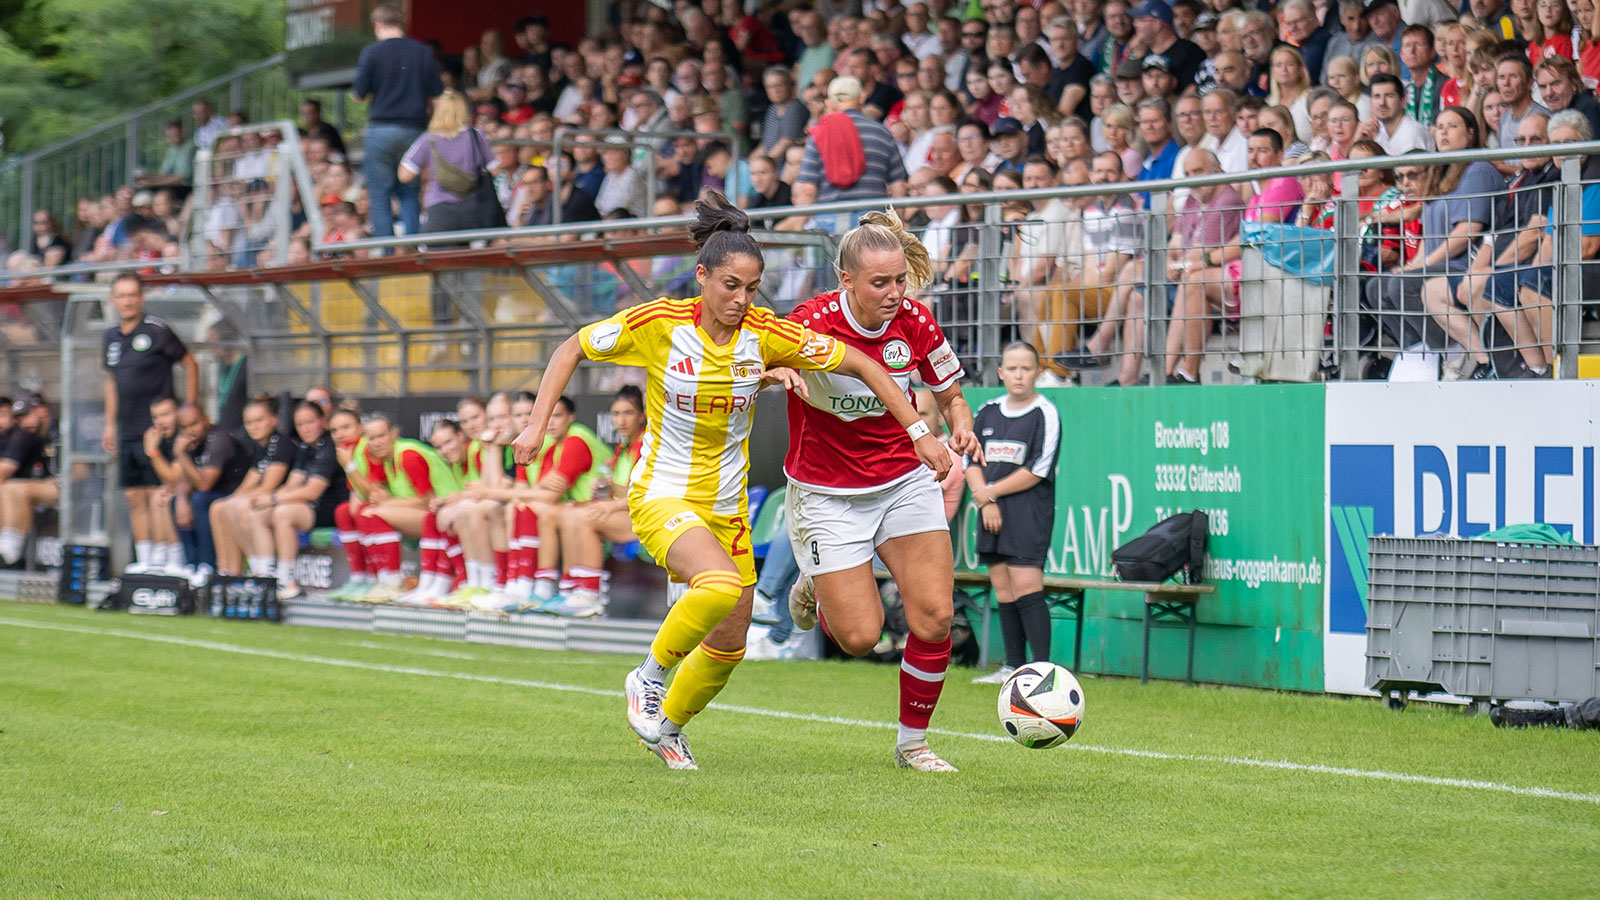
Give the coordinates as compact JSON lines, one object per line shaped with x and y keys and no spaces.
{"x":114,"y":153}
{"x":1326,"y":332}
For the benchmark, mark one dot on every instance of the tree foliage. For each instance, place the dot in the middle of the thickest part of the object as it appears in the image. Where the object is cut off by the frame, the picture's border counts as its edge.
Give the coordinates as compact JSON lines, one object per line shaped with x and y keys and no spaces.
{"x":67,"y":65}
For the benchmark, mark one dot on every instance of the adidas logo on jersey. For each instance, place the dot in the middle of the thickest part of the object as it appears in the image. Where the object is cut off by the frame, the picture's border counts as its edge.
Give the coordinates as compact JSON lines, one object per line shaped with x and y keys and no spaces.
{"x":684,"y":366}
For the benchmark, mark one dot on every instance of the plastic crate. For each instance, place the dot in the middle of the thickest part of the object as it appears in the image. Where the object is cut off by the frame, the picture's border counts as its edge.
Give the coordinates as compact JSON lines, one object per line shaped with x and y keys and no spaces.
{"x":1489,"y":621}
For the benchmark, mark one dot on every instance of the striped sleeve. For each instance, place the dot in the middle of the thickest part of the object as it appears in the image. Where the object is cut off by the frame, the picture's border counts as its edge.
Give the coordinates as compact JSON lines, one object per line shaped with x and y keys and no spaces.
{"x":1044,"y":465}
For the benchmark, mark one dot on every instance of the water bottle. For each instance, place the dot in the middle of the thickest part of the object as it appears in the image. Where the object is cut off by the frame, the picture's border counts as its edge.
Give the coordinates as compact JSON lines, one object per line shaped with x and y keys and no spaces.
{"x":602,"y":483}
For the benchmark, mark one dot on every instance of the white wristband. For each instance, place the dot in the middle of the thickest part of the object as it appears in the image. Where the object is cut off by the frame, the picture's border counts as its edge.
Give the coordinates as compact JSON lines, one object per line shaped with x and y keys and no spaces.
{"x":917,"y":430}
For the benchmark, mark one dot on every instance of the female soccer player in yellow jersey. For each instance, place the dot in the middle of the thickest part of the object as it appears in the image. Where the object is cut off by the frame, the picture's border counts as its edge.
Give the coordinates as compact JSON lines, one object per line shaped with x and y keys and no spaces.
{"x":705,"y":358}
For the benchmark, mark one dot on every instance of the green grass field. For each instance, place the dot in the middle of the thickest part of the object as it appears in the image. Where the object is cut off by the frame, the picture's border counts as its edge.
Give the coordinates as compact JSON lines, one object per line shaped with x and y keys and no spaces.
{"x":195,"y":757}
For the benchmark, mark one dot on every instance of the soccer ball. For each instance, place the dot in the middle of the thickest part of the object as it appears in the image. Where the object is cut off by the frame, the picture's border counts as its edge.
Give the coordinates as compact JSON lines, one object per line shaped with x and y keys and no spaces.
{"x":1041,"y":705}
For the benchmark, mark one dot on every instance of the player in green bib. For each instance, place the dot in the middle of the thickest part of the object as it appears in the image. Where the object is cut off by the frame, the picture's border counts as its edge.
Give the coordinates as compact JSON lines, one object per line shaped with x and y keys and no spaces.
{"x":566,"y":470}
{"x":584,"y":527}
{"x":412,"y":474}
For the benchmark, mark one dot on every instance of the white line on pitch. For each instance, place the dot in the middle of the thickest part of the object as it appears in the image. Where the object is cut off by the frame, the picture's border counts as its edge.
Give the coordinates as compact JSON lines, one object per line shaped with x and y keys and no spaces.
{"x":1282,"y":765}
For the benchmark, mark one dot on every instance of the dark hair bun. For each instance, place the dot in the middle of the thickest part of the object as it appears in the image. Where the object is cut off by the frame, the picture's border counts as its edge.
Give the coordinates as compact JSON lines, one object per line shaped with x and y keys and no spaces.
{"x":714,"y":212}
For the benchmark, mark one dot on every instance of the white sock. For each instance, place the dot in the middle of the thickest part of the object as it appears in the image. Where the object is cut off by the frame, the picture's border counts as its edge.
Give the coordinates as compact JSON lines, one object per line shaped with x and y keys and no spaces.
{"x":544,"y":584}
{"x":390,"y":579}
{"x":520,"y":587}
{"x":11,"y":543}
{"x":144,"y":551}
{"x":652,"y":670}
{"x":175,"y":555}
{"x":261,"y":566}
{"x":158,"y":555}
{"x":911,"y":736}
{"x":285,"y":571}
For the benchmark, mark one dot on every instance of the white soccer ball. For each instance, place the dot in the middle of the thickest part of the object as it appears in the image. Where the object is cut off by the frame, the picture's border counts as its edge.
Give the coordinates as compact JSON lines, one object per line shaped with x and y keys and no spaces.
{"x":1041,"y":705}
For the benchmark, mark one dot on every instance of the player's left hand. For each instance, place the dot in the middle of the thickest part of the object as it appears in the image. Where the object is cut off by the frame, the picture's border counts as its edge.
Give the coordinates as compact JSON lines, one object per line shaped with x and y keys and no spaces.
{"x":933,"y":455}
{"x":788,"y":378}
{"x":963,"y":441}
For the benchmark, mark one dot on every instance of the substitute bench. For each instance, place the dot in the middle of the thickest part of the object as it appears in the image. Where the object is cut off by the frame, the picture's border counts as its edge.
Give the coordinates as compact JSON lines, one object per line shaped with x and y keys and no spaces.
{"x":1164,"y":602}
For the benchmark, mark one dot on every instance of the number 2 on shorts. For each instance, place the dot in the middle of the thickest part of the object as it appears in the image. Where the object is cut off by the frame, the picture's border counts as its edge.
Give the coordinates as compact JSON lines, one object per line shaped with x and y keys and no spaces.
{"x":738,"y":522}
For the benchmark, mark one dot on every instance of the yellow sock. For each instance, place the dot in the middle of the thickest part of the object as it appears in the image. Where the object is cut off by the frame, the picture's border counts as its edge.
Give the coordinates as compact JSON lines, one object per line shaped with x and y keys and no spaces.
{"x":699,"y":680}
{"x":709,"y":599}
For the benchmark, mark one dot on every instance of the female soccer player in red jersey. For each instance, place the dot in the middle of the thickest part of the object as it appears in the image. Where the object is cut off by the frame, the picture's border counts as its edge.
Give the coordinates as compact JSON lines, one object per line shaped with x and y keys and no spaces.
{"x":855,"y":484}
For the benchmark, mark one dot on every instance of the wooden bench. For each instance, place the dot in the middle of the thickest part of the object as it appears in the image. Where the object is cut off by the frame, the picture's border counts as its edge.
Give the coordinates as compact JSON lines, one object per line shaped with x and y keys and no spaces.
{"x":1164,"y":602}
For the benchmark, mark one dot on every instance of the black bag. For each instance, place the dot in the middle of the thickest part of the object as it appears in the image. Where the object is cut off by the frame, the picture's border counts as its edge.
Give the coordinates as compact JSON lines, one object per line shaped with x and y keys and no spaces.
{"x":1170,"y":546}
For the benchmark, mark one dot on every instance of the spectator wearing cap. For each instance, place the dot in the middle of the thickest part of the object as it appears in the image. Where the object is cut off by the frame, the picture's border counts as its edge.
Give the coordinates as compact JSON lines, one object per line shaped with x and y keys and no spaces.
{"x":848,"y":156}
{"x":1220,"y":109}
{"x":1390,"y":126}
{"x":396,"y":77}
{"x":1353,"y":36}
{"x":1306,"y":34}
{"x":1156,"y":76}
{"x":1069,"y":82}
{"x":1386,"y":22}
{"x":25,"y":477}
{"x":1130,"y":81}
{"x":1152,"y":22}
{"x":514,"y":94}
{"x":1010,"y":144}
{"x":1204,"y":35}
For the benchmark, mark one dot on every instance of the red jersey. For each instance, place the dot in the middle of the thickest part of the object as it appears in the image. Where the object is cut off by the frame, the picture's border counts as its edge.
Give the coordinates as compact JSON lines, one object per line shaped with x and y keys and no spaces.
{"x":576,"y":458}
{"x":841,"y":439}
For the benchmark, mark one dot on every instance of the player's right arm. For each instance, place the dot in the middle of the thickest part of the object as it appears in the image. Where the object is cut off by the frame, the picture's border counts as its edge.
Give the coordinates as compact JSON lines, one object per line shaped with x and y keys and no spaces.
{"x":556,"y":375}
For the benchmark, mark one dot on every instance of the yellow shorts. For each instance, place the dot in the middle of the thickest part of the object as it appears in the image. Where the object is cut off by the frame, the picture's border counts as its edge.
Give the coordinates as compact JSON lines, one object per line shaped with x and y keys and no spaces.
{"x":660,"y":522}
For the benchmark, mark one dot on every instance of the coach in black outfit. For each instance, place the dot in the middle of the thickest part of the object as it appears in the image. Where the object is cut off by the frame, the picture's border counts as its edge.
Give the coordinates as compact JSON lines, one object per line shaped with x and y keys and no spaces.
{"x":140,"y":352}
{"x":395,"y":77}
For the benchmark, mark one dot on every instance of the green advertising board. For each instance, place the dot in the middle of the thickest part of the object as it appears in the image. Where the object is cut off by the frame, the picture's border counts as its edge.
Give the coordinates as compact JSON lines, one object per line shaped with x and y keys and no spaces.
{"x":1251,"y":457}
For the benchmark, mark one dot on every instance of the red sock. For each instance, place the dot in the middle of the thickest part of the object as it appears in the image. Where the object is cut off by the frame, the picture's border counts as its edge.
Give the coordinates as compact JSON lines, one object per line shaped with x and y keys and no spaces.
{"x":528,"y":554}
{"x":455,"y":564}
{"x":382,"y":543}
{"x":921,"y":679}
{"x":432,"y":545}
{"x":350,"y":539}
{"x":502,"y":567}
{"x":585,"y":579}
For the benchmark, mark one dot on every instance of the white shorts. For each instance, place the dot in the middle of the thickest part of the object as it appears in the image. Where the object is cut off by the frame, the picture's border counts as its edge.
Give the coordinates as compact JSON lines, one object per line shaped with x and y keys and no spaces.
{"x":834,"y":532}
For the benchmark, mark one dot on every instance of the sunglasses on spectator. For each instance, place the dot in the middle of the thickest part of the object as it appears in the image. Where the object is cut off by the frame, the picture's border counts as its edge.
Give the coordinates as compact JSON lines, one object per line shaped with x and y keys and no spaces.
{"x":974,"y":34}
{"x":1409,"y":175}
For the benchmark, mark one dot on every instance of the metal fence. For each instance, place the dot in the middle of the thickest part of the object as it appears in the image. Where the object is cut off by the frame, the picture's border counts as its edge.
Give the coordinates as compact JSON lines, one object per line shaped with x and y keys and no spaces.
{"x":1071,"y":269}
{"x":119,"y":151}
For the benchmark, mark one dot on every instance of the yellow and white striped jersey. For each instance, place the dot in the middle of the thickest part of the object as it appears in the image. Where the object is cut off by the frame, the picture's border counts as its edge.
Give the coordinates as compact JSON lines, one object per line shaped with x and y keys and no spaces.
{"x":700,"y":395}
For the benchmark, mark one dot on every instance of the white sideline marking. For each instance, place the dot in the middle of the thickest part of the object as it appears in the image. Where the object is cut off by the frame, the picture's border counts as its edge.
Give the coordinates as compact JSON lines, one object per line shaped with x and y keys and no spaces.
{"x":1282,"y":765}
{"x":374,"y":645}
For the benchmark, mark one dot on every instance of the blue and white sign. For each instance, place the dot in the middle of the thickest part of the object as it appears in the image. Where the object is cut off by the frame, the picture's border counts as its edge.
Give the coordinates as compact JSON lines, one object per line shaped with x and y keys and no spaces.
{"x":1457,"y":459}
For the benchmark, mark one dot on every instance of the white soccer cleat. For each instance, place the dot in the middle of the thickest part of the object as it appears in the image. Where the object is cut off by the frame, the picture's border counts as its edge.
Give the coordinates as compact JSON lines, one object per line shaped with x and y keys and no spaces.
{"x":803,"y":604}
{"x":921,"y":758}
{"x":998,"y":676}
{"x":644,"y":707}
{"x":674,"y":751}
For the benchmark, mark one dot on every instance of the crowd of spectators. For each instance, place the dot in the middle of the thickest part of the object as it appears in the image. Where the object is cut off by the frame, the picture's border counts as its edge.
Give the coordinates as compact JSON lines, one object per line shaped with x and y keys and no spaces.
{"x":817,"y":100}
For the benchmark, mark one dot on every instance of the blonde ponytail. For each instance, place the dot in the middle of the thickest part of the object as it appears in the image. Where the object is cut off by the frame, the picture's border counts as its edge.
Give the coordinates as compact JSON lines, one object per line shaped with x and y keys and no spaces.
{"x":885,"y":231}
